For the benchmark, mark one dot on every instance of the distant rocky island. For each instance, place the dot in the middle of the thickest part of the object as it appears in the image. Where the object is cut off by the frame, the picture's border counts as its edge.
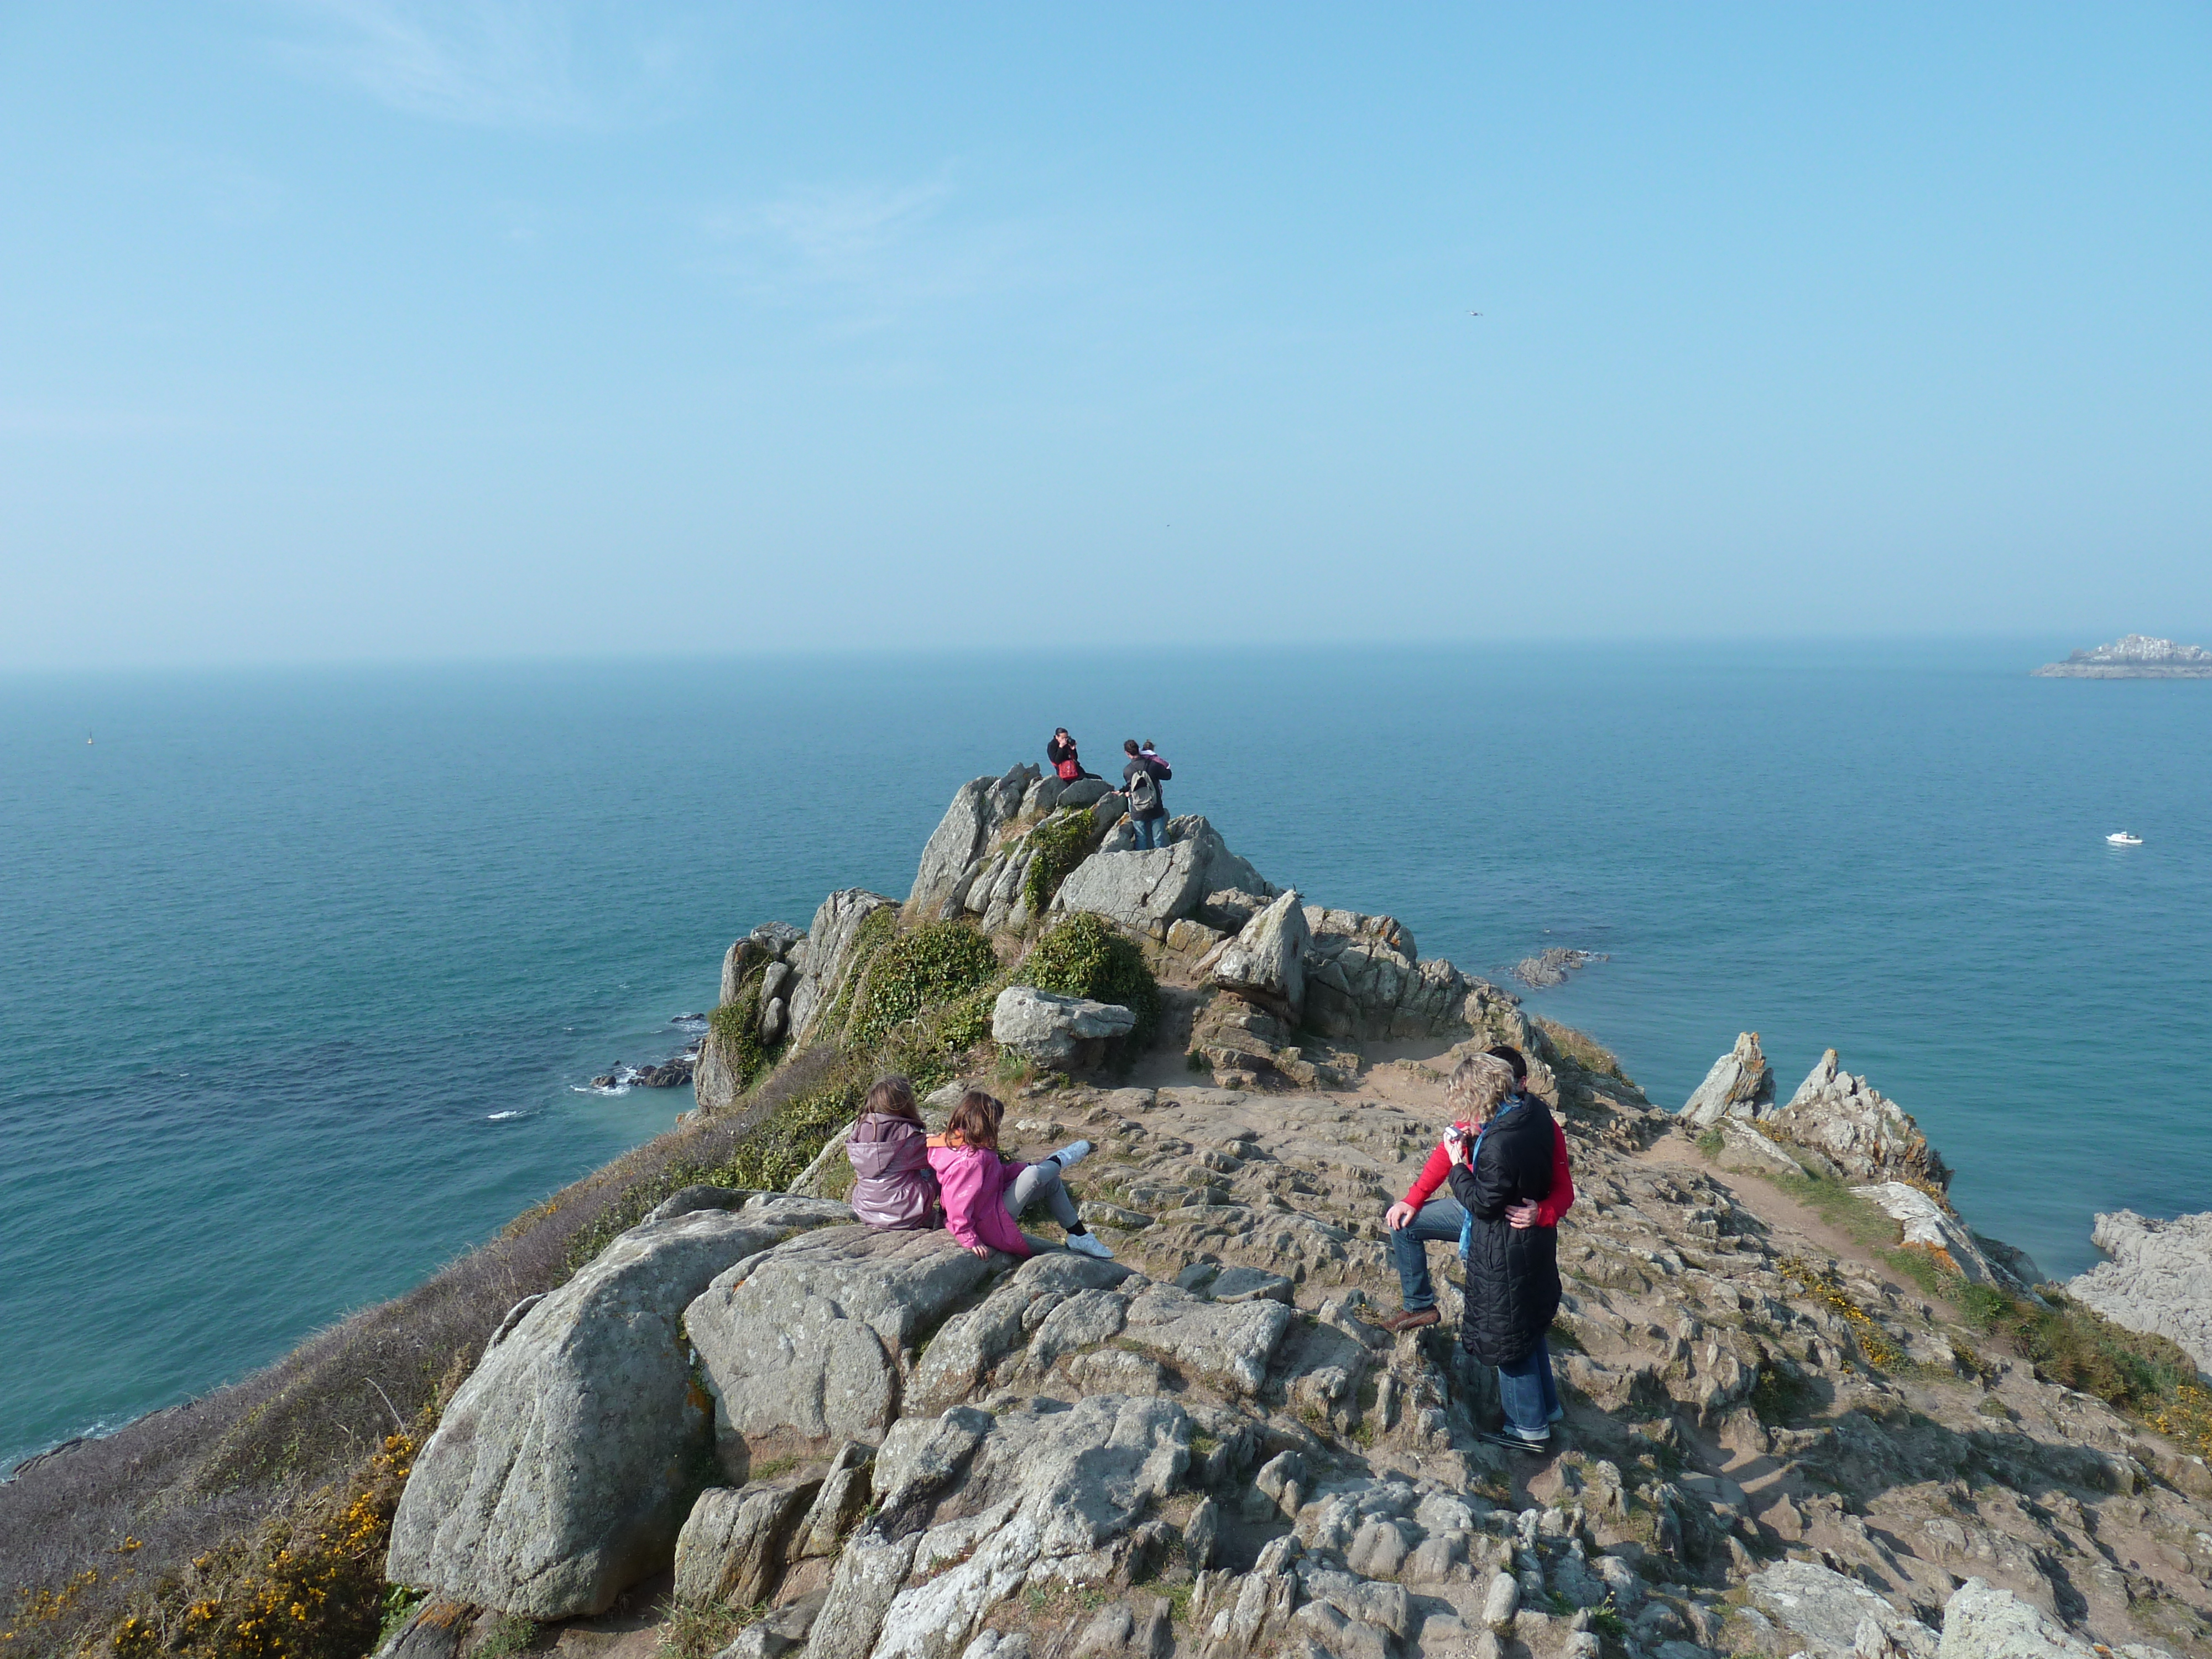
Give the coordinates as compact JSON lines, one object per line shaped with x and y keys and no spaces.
{"x":2137,"y":657}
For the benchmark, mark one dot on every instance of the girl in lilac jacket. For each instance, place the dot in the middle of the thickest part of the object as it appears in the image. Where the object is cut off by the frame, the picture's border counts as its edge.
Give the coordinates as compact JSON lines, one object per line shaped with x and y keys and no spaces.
{"x":892,"y":1185}
{"x":986,"y":1192}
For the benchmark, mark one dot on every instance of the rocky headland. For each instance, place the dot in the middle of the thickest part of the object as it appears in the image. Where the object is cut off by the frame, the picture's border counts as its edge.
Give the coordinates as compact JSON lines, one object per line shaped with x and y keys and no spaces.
{"x":688,"y":1407}
{"x":2136,"y":657}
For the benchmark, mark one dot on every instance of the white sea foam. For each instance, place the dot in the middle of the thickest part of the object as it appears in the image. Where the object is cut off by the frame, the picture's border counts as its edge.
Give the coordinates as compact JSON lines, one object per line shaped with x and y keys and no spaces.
{"x":501,"y":1117}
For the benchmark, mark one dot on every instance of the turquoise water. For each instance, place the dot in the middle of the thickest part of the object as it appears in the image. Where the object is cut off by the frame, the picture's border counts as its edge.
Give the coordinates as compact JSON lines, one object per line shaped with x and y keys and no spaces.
{"x":304,"y":970}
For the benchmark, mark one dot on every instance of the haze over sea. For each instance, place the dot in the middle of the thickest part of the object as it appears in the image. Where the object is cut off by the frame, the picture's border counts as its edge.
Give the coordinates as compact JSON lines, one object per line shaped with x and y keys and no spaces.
{"x":306,"y":968}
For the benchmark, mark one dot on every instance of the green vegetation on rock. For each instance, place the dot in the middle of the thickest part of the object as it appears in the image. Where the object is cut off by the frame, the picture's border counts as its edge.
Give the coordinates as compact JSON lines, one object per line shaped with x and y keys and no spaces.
{"x":737,"y":1025}
{"x":2075,"y":1347}
{"x":1059,"y":844}
{"x":1086,"y":956}
{"x":918,"y":973}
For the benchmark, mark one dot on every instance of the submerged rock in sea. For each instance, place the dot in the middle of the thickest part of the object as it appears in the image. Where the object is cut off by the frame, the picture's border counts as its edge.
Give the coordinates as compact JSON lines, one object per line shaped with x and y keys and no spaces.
{"x":2159,"y":1279}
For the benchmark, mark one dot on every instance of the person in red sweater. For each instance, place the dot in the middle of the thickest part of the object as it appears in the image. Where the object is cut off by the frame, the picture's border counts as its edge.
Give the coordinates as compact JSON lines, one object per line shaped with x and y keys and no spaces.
{"x":1429,"y":1212}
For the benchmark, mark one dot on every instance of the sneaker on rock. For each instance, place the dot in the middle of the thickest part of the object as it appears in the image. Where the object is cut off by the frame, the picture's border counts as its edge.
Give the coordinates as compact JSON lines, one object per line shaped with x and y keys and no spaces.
{"x":1088,"y":1244}
{"x":1072,"y":1154}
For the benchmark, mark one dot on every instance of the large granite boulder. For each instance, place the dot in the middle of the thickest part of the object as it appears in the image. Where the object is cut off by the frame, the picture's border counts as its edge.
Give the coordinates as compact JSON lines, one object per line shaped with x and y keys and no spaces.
{"x":1218,"y":868}
{"x":1857,"y":1130}
{"x":1827,"y":1609}
{"x":980,"y":809}
{"x":976,"y":1507}
{"x":1054,"y":1031}
{"x":1981,"y":1621}
{"x":1141,"y":891}
{"x":2159,"y":1279}
{"x":810,"y":1342}
{"x":1740,"y":1085}
{"x":1364,"y":980}
{"x":562,"y":1471}
{"x":1268,"y":955}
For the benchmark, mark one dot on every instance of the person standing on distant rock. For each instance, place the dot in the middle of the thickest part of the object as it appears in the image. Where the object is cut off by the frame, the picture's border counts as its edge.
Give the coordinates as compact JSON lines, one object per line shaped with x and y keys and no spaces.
{"x":893,"y":1185}
{"x":985,"y":1192}
{"x":1141,"y":786}
{"x":1423,"y":1216}
{"x":1066,"y":764}
{"x":1512,"y":1273}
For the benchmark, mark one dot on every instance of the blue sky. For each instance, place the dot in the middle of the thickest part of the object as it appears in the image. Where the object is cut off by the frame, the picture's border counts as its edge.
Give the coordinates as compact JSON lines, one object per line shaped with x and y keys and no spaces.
{"x":352,"y":329}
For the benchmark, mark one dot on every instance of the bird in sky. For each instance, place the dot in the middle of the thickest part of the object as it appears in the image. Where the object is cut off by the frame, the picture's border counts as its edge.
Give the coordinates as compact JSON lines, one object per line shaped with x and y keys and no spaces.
{"x":1474,"y":314}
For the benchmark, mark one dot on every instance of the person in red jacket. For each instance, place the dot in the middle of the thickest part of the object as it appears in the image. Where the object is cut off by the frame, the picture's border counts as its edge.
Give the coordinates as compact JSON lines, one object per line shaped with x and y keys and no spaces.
{"x":1429,"y":1212}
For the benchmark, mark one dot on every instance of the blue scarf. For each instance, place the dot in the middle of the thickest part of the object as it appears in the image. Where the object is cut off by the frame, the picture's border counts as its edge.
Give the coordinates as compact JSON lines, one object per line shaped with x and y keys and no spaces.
{"x":1467,"y":1216}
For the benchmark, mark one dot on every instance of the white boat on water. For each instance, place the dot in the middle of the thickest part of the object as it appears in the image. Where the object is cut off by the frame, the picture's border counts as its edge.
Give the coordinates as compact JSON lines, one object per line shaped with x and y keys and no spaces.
{"x":2122,"y":838}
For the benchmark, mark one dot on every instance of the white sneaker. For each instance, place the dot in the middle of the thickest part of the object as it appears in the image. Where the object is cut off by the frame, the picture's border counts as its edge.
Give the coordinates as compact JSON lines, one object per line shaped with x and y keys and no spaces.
{"x":1088,"y":1244}
{"x":1072,"y":1154}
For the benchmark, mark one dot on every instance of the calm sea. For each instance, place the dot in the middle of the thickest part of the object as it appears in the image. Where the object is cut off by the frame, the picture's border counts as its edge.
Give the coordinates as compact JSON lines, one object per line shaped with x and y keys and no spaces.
{"x":303,"y":971}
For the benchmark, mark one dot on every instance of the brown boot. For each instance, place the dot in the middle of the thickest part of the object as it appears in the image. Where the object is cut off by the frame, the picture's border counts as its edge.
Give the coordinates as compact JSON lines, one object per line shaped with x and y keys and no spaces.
{"x":1412,"y":1319}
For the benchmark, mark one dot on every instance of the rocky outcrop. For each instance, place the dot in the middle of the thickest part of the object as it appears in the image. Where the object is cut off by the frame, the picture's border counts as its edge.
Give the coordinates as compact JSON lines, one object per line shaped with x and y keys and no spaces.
{"x":1740,"y":1085}
{"x":812,"y":1342}
{"x":1859,"y":1134}
{"x":2159,"y":1279}
{"x":980,"y":809}
{"x":829,"y":958}
{"x":1215,"y":1415}
{"x":1925,"y":1225}
{"x":1550,"y":968}
{"x":1218,"y":869}
{"x":2136,"y":657}
{"x":1827,"y":1610}
{"x":977,"y":1505}
{"x":1268,"y":958}
{"x":1142,"y":892}
{"x":1062,"y":1032}
{"x":772,"y":941}
{"x":560,"y":1472}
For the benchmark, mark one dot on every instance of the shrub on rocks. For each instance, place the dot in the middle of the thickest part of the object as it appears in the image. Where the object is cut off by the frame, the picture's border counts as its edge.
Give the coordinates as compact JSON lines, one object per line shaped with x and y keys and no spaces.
{"x":916,"y":972}
{"x":1086,"y":956}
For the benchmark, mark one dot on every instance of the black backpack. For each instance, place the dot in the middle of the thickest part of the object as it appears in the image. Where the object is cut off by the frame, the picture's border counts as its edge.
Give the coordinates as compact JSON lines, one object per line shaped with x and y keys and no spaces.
{"x":1144,"y":793}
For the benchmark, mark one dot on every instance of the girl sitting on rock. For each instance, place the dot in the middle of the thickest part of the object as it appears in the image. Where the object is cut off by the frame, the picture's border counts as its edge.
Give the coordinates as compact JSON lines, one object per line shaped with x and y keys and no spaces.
{"x":985,"y":1193}
{"x":893,"y":1185}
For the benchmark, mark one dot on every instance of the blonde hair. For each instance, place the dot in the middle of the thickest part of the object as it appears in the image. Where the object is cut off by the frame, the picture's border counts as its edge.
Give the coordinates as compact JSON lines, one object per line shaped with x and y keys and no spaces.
{"x":1476,"y":1085}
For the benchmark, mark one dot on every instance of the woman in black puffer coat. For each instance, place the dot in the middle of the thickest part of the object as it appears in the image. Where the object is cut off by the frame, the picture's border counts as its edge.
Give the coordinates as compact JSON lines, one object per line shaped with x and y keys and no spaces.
{"x":1512,"y":1273}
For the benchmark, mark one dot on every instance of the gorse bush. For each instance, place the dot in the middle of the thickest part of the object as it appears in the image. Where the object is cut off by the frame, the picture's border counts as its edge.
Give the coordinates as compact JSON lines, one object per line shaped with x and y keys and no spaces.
{"x":919,"y":972}
{"x":1086,"y":956}
{"x":1059,"y":844}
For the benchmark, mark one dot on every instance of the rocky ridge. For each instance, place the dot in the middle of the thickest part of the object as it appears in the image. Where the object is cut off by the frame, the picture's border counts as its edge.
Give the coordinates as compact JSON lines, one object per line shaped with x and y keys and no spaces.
{"x":856,"y":1445}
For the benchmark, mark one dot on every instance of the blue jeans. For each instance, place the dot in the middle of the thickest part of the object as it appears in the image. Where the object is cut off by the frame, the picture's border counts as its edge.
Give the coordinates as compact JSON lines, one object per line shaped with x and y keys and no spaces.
{"x":1526,"y":1392}
{"x":1150,"y":832}
{"x":1438,"y":1221}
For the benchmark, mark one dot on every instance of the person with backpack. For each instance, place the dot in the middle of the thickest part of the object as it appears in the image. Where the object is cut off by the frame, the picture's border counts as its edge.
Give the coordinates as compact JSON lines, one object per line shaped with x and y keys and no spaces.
{"x":1066,"y":764}
{"x":1140,"y":787}
{"x":893,"y":1185}
{"x":986,"y":1192}
{"x":1425,"y":1215}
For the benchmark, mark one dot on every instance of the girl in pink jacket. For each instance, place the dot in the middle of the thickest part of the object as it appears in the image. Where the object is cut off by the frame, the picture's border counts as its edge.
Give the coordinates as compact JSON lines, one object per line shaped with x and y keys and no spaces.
{"x":985,"y":1193}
